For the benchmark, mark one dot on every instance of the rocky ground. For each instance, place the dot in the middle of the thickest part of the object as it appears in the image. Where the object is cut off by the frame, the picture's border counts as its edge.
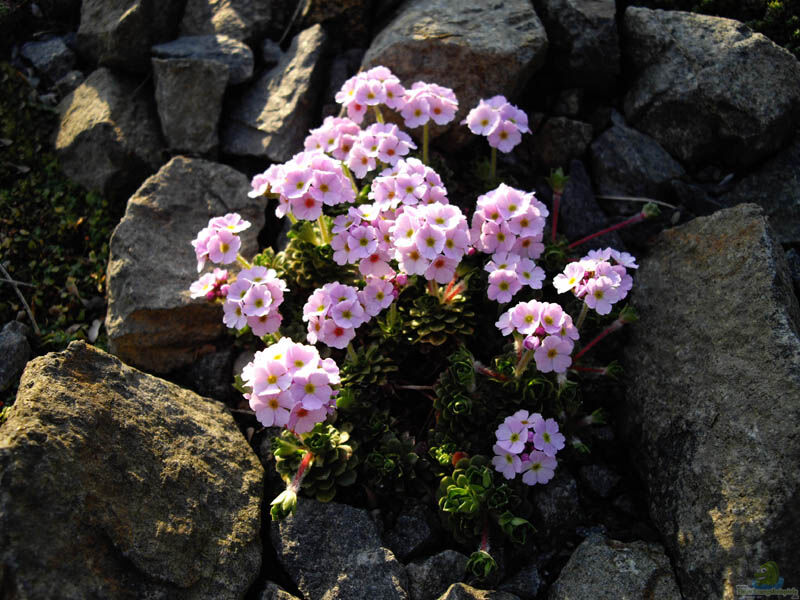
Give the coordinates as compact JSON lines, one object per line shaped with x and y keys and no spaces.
{"x":118,"y":483}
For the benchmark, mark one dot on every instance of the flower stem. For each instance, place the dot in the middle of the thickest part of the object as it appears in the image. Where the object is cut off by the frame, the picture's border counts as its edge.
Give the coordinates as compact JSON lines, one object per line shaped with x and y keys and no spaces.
{"x":556,"y":203}
{"x":243,"y":261}
{"x":582,"y":316}
{"x":349,"y":175}
{"x":493,"y":168}
{"x":523,"y":364}
{"x":633,"y":220}
{"x":378,"y":114}
{"x":308,"y":457}
{"x":425,"y":141}
{"x":324,"y":232}
{"x":610,"y":329}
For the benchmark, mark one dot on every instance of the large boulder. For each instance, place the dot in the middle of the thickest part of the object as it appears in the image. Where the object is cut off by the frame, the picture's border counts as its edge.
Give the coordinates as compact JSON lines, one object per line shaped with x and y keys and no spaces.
{"x":239,"y":19}
{"x":775,"y":187}
{"x":479,"y":49}
{"x":709,"y":89}
{"x":626,"y":162}
{"x":271,"y":118}
{"x":189,"y":96}
{"x":152,"y":323}
{"x":605,"y":569}
{"x":117,"y":484}
{"x":333,"y":552}
{"x":108,"y":134}
{"x":584,"y":42}
{"x":230,"y":52}
{"x":119,"y":33}
{"x":711,"y":409}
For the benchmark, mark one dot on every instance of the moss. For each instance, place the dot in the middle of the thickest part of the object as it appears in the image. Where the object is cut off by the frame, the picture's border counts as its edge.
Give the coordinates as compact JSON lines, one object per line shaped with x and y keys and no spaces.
{"x":53,"y":233}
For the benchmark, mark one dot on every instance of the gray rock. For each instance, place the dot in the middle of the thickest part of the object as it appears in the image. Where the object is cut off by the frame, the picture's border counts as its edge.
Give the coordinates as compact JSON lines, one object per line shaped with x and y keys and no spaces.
{"x":431,"y":577}
{"x":152,"y":323}
{"x":69,"y":83}
{"x":52,"y":58}
{"x":462,"y":591}
{"x":272,"y":591}
{"x":560,"y":140}
{"x":232,"y":53}
{"x":239,"y":19}
{"x":271,"y":53}
{"x":605,"y":569}
{"x":412,"y":531}
{"x":502,"y":43}
{"x":189,"y":96}
{"x":557,"y":501}
{"x":711,"y":406}
{"x":273,"y":115}
{"x":775,"y":186}
{"x":599,"y":479}
{"x":108,"y":136}
{"x":15,"y":351}
{"x":525,"y":583}
{"x":119,"y":33}
{"x":569,"y":103}
{"x":584,"y":43}
{"x":579,"y":213}
{"x":333,"y":551}
{"x":793,"y":260}
{"x":709,"y":89}
{"x":626,"y":162}
{"x":117,"y":484}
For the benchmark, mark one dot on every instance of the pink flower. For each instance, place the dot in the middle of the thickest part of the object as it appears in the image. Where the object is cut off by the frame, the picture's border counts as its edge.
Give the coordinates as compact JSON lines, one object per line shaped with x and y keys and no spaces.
{"x":539,"y":468}
{"x":272,"y":410}
{"x":503,"y":285}
{"x":505,"y":136}
{"x":506,"y":462}
{"x":312,"y":390}
{"x":553,"y":355}
{"x":546,"y":437}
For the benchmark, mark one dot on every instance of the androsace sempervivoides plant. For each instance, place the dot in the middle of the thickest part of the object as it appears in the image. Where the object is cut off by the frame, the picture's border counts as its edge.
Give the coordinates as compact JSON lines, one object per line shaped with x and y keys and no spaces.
{"x":368,"y":324}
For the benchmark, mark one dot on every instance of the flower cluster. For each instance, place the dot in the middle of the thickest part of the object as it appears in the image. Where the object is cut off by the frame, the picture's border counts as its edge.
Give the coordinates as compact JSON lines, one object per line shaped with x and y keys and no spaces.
{"x":304,"y":184}
{"x":509,"y":224}
{"x":527,"y":444}
{"x":410,"y":182}
{"x":210,"y":285}
{"x":291,"y":386}
{"x":253,"y":299}
{"x":219,"y":242}
{"x":428,"y":101}
{"x":502,"y":123}
{"x":335,"y":136}
{"x":597,"y":280}
{"x":370,"y":88}
{"x":548,"y":332}
{"x":335,"y":310}
{"x":430,"y":240}
{"x":380,"y":142}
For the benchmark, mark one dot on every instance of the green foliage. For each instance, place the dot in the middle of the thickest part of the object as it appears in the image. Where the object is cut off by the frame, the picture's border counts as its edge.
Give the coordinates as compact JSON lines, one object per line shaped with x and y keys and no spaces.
{"x":481,"y":564}
{"x":470,"y":498}
{"x":334,"y":463}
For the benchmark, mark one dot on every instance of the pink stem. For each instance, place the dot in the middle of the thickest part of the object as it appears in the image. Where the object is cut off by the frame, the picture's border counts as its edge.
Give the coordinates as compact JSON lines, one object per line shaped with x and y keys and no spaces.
{"x":301,"y":470}
{"x":634,"y":219}
{"x":556,"y":202}
{"x":610,"y":329}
